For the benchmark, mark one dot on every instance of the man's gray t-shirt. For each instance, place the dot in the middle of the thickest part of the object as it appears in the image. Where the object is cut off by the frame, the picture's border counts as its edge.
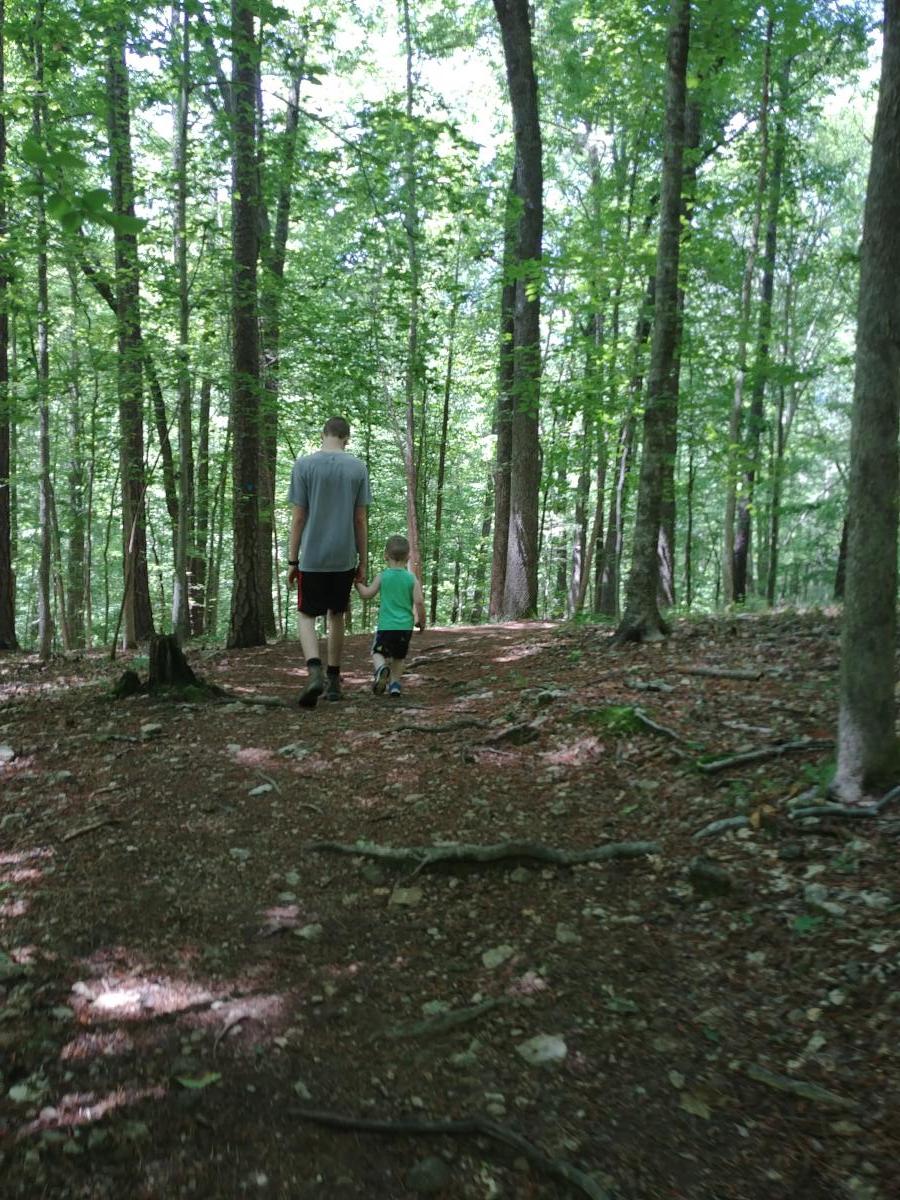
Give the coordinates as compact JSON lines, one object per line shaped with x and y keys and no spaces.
{"x":330,"y":485}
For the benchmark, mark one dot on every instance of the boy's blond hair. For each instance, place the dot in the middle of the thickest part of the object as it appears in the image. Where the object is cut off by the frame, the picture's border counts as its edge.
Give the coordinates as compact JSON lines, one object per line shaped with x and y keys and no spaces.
{"x":397,"y":548}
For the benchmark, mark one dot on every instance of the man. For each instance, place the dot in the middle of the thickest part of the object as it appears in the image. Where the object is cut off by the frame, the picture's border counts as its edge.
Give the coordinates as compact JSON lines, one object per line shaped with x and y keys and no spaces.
{"x":330,"y":494}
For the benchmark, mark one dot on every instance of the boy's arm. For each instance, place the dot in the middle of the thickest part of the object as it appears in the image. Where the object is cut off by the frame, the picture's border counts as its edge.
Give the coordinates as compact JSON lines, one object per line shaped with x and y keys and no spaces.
{"x":419,"y":605}
{"x":368,"y":590}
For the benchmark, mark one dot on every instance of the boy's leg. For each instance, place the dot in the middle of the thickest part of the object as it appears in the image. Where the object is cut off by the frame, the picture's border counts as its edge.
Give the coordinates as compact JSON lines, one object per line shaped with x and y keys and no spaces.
{"x":309,"y":639}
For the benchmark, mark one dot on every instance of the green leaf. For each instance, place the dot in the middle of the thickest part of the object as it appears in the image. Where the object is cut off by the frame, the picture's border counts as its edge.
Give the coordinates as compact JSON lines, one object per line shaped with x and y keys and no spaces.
{"x":806,"y":924}
{"x":33,"y":152}
{"x":95,"y":199}
{"x":201,"y":1081}
{"x":57,"y":205}
{"x":125,"y":224}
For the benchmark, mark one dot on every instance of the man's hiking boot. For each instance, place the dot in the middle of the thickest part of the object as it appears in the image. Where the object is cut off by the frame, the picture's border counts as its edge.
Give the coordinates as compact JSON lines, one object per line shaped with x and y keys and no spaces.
{"x":380,"y":681}
{"x":394,"y":690}
{"x":333,"y":687}
{"x":315,"y":686}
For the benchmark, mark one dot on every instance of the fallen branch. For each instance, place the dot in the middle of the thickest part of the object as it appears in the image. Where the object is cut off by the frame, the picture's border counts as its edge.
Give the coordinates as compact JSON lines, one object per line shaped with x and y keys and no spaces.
{"x":797,"y":1087}
{"x":74,"y":833}
{"x":426,"y":856}
{"x":721,"y":826}
{"x":722,"y":764}
{"x":267,"y":701}
{"x":719,"y":672}
{"x":467,"y":1127}
{"x":432,"y":1026}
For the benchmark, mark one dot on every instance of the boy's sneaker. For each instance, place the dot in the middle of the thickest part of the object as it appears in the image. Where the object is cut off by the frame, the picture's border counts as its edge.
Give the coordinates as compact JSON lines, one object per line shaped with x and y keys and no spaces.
{"x":394,"y":689}
{"x":315,"y":686}
{"x":380,"y":679}
{"x":333,"y":687}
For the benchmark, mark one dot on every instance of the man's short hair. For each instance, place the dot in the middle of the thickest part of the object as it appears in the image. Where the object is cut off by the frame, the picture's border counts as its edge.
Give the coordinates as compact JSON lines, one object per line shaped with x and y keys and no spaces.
{"x":337,"y":427}
{"x":397,"y":548}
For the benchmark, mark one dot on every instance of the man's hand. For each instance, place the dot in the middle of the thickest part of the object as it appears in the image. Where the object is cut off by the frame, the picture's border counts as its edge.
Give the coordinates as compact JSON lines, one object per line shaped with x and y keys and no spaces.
{"x":293,"y":577}
{"x":360,"y":576}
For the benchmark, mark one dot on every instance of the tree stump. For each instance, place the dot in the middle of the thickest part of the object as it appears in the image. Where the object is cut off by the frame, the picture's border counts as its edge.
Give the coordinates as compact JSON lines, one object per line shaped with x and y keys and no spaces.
{"x":168,"y":666}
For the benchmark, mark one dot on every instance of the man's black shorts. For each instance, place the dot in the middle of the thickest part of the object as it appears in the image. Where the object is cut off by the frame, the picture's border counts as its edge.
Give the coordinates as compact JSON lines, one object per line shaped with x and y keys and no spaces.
{"x":392,"y":643}
{"x":319,"y":592}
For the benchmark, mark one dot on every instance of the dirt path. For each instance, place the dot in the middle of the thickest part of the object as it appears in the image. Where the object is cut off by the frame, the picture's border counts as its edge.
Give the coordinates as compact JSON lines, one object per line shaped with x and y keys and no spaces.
{"x":181,"y":976}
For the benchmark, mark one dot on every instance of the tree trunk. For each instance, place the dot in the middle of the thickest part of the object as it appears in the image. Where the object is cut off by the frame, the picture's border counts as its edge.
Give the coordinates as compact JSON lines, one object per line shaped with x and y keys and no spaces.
{"x":520,"y":583}
{"x":477,"y":612}
{"x":414,"y":366}
{"x":867,"y":739}
{"x":138,"y":611}
{"x":168,"y":666}
{"x":642,"y":620}
{"x":272,"y":281}
{"x":199,"y":563}
{"x":442,"y":448}
{"x":181,"y":620}
{"x":607,"y":586}
{"x":762,"y":357}
{"x":42,"y":363}
{"x":246,"y":624}
{"x":503,"y":412}
{"x":77,"y":541}
{"x":734,"y":427}
{"x":8,"y":639}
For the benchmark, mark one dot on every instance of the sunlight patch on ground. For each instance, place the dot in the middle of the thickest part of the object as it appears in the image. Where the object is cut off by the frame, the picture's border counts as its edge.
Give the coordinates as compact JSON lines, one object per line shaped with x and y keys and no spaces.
{"x":92,"y":1045}
{"x":515,"y":653}
{"x":575,"y":754}
{"x":21,"y":856}
{"x":14,"y":907}
{"x":83,"y":1108}
{"x":132,"y":997}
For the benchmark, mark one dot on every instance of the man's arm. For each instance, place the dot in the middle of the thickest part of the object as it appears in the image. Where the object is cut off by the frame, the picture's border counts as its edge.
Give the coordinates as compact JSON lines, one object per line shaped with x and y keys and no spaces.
{"x":361,"y":530}
{"x":419,"y":605}
{"x":298,"y":522}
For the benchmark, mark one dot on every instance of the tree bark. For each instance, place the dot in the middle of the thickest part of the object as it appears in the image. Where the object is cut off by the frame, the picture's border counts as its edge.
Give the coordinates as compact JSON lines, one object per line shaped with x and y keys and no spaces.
{"x":442,"y":448}
{"x":246,"y":624}
{"x":520,"y":583}
{"x":477,"y":611}
{"x":642,"y":620}
{"x":138,"y":611}
{"x":867,"y":740}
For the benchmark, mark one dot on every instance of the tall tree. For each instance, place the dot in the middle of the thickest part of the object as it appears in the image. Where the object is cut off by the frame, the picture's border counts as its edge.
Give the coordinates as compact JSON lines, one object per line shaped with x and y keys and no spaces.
{"x":867,"y":739}
{"x":520,"y":582}
{"x":246,"y":624}
{"x":137,"y":611}
{"x":642,"y":620}
{"x":42,"y":356}
{"x":8,"y":639}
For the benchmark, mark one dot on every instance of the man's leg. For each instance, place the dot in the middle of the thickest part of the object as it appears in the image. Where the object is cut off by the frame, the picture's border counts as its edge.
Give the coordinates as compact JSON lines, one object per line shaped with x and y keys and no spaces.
{"x":309,"y":643}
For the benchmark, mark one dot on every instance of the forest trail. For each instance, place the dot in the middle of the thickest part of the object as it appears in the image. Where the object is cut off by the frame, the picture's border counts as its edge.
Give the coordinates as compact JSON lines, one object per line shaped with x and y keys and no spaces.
{"x":182,"y":977}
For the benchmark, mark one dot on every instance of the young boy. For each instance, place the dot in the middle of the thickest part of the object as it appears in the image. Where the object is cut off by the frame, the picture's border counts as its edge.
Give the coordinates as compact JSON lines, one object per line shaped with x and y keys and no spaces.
{"x":401,"y":601}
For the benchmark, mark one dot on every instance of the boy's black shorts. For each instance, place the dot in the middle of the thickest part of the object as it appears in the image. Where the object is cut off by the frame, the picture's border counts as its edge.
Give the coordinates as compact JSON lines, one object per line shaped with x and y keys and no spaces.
{"x":392,"y":643}
{"x":319,"y":592}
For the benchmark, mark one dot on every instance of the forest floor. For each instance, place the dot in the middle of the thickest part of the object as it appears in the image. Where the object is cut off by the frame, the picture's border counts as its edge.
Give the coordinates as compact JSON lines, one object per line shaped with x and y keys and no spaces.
{"x":184,"y":979}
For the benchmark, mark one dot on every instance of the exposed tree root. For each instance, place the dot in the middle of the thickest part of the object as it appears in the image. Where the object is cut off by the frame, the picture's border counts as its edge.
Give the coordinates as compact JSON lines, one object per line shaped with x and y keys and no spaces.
{"x":448,"y":727}
{"x":426,"y":856}
{"x":441,"y":1022}
{"x":752,"y":756}
{"x":797,"y":1087}
{"x":847,"y":810}
{"x":719,"y":672}
{"x":466,"y":1127}
{"x":641,"y":716}
{"x":721,"y":826}
{"x":82,"y":829}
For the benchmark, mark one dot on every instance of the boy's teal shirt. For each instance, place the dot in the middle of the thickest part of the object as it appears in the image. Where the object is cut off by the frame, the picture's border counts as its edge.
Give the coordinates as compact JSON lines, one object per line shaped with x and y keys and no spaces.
{"x":396,"y":608}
